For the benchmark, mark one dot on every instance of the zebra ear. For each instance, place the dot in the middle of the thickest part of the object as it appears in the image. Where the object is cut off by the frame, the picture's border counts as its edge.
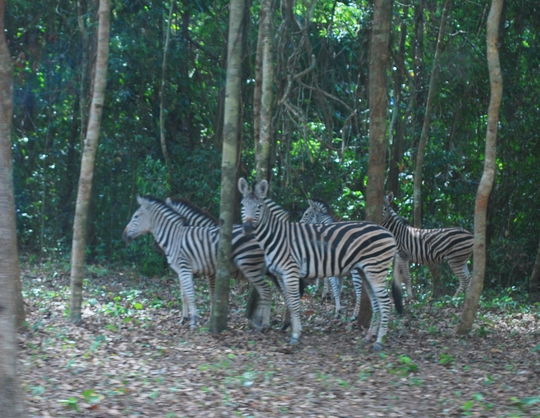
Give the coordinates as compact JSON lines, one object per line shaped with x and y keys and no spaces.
{"x":262,"y":189}
{"x":311,"y":204}
{"x":243,"y":186}
{"x":168,"y":202}
{"x":140,"y":200}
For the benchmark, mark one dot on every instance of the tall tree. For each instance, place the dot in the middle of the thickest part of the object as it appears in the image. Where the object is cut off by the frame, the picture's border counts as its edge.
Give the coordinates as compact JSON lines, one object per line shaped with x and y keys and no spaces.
{"x":162,"y":94}
{"x":231,"y":131}
{"x":87,"y":166}
{"x":426,"y":125}
{"x":267,"y":83}
{"x":262,"y":109}
{"x":11,"y":395}
{"x":486,"y":183}
{"x":379,"y":61}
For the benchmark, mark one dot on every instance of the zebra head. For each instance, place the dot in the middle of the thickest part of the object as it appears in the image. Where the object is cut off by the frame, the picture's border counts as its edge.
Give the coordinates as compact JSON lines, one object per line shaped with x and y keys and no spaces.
{"x":252,"y":203}
{"x":387,"y":209}
{"x":140,"y":222}
{"x":317,"y":213}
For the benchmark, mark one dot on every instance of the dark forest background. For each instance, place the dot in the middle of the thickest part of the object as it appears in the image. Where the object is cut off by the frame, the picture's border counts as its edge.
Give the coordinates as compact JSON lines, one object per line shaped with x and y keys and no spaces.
{"x":320,"y":122}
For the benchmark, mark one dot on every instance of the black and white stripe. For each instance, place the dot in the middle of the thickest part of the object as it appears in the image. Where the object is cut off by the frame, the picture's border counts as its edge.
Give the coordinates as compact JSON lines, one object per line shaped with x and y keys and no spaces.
{"x":429,"y":246}
{"x":294,"y":250}
{"x":319,"y":212}
{"x":192,"y":251}
{"x":247,"y":254}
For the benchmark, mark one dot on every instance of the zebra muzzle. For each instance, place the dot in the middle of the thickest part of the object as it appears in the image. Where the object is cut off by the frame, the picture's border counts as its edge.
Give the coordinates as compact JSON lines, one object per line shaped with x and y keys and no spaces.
{"x":126,"y":237}
{"x":248,"y":228}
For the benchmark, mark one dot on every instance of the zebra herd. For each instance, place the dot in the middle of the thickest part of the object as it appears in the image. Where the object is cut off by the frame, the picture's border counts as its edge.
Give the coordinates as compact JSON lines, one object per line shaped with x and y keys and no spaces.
{"x":317,"y":247}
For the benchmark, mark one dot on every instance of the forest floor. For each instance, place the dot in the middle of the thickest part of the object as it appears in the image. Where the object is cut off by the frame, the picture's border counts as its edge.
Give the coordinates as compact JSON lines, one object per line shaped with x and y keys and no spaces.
{"x":131,"y":358}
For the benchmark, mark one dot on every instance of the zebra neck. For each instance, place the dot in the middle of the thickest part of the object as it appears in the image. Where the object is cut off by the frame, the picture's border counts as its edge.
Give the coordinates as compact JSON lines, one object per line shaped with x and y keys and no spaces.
{"x":264,"y":230}
{"x":164,"y":232}
{"x":395,"y":221}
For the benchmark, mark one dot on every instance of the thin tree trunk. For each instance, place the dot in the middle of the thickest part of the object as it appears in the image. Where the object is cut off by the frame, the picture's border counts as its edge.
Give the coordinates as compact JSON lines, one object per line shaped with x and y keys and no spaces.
{"x":418,"y":175}
{"x":486,"y":183}
{"x":534,"y":281}
{"x":85,"y":65}
{"x":262,"y":105}
{"x":379,"y":61}
{"x":267,"y":97}
{"x":87,"y":165}
{"x":231,"y":131}
{"x":162,"y":97}
{"x":395,"y":133}
{"x":11,"y":394}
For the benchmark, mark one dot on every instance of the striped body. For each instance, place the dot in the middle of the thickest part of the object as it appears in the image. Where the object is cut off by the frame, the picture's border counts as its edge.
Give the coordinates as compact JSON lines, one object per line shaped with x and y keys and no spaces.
{"x":248,"y":256}
{"x":318,"y":212}
{"x":190,"y":250}
{"x":429,"y":246}
{"x":293,"y":251}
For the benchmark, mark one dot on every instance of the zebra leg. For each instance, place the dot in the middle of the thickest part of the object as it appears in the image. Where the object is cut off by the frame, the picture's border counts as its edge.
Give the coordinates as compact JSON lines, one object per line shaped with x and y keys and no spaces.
{"x":336,"y":291}
{"x":357,"y":283}
{"x":406,"y":274}
{"x":261,"y":317}
{"x":375,"y":318}
{"x":188,"y":293}
{"x":463,"y":274}
{"x":325,"y":288}
{"x":291,"y":291}
{"x":185,"y":307}
{"x":380,"y":303}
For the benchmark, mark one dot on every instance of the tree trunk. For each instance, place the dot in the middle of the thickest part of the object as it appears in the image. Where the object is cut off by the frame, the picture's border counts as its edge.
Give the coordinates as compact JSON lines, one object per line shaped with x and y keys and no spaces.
{"x":395,"y":133}
{"x":379,"y":61}
{"x":534,"y":281}
{"x":263,"y":117}
{"x":162,"y":99}
{"x":231,"y":131}
{"x":87,"y":165}
{"x":486,"y":183}
{"x":11,"y":394}
{"x":265,"y":125}
{"x":417,"y":193}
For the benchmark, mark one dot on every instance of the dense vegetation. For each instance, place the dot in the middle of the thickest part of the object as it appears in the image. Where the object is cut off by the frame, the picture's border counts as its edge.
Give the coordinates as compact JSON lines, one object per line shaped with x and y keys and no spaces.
{"x":320,"y":122}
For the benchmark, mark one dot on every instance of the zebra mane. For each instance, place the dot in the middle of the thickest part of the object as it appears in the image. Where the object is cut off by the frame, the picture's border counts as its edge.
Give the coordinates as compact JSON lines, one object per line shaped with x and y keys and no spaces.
{"x":193,"y":208}
{"x":387,"y":205}
{"x":160,"y":203}
{"x":277,"y":210}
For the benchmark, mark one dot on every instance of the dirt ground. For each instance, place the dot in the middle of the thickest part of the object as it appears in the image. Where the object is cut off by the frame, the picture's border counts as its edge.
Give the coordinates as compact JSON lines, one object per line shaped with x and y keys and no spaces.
{"x":132,"y":358}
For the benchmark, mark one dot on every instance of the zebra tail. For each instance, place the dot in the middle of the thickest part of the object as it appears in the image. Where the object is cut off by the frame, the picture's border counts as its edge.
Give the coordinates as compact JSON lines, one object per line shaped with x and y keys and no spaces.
{"x":397,"y":287}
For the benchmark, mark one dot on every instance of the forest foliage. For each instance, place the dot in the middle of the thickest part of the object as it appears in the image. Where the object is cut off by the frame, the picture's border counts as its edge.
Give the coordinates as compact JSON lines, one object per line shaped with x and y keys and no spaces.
{"x":320,"y":123}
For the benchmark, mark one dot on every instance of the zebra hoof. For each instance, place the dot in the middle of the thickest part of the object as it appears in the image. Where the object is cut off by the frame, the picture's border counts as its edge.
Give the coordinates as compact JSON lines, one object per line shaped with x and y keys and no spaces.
{"x":294,"y":341}
{"x":377,"y":347}
{"x":260,"y":327}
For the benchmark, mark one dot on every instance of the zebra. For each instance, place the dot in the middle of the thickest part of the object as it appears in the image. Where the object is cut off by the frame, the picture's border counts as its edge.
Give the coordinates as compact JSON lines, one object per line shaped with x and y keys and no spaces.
{"x":249,"y":256}
{"x":319,"y":212}
{"x":294,"y":250}
{"x":192,"y":250}
{"x":429,"y":246}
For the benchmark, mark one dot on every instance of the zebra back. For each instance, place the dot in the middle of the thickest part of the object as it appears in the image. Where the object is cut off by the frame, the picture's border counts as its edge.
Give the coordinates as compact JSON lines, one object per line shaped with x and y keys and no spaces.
{"x":193,"y":214}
